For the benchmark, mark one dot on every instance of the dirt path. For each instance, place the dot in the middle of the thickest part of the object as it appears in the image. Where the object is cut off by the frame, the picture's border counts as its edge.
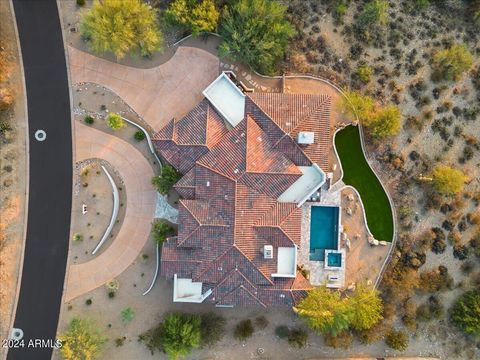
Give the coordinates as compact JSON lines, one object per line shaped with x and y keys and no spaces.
{"x":13,"y":171}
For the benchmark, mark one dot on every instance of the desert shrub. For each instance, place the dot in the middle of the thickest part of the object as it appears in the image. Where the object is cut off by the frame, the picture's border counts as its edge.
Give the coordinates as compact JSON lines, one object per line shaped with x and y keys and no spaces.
{"x":197,"y":16}
{"x":409,"y":315}
{"x":82,"y":340}
{"x":112,"y":285}
{"x":165,"y":181}
{"x":243,"y":330}
{"x":460,"y":251}
{"x":115,"y":121}
{"x":376,"y":332}
{"x":474,"y":218}
{"x":447,"y":180}
{"x":282,"y":331}
{"x":88,"y":302}
{"x":89,"y":120}
{"x":436,"y":280}
{"x":475,"y":244}
{"x":139,"y":135}
{"x":121,"y":27}
{"x":297,"y":337}
{"x":364,"y":73}
{"x":161,"y":231}
{"x":81,"y":3}
{"x":375,"y":12}
{"x":265,"y":33}
{"x":342,"y":340}
{"x":465,"y":313}
{"x":423,"y":313}
{"x":127,"y":315}
{"x":120,"y":341}
{"x":397,"y":340}
{"x":467,"y":267}
{"x":431,"y":309}
{"x":212,"y":329}
{"x":261,"y":322}
{"x":450,"y":63}
{"x":77,"y":237}
{"x":438,"y":243}
{"x":176,"y":336}
{"x":400,"y":282}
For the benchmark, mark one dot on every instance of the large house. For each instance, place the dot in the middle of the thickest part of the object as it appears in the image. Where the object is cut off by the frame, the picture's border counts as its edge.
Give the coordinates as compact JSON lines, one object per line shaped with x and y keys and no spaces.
{"x":248,"y":163}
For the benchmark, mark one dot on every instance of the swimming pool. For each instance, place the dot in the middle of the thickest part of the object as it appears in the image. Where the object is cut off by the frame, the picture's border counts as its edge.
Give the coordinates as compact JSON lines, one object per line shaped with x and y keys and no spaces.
{"x":323,"y":231}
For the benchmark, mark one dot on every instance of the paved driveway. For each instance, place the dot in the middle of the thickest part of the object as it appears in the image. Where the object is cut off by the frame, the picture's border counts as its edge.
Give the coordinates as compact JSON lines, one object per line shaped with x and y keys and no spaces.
{"x":157,"y":94}
{"x":140,"y":209}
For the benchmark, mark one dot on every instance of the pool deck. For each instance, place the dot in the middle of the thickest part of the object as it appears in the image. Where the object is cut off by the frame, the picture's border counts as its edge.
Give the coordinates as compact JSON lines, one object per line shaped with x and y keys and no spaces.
{"x":318,"y":273}
{"x":362,"y":261}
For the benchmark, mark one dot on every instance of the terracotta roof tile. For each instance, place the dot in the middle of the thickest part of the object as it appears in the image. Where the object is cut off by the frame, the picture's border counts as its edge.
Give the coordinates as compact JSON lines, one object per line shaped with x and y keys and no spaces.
{"x":231,"y":183}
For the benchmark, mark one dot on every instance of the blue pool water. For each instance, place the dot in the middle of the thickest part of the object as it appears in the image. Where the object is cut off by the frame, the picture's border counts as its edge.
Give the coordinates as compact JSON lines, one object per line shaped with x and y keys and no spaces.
{"x":334,"y":260}
{"x":323,"y":231}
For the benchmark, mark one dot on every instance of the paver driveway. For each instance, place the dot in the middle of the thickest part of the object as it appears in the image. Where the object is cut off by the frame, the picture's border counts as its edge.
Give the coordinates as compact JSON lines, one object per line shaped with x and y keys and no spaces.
{"x":140,"y":209}
{"x":157,"y":94}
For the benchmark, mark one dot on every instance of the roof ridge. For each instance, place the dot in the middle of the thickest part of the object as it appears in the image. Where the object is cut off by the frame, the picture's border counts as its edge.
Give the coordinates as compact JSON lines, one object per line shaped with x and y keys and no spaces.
{"x":241,"y":287}
{"x":215,"y":171}
{"x":323,"y":99}
{"x":250,"y":261}
{"x":235,"y":270}
{"x":216,"y":259}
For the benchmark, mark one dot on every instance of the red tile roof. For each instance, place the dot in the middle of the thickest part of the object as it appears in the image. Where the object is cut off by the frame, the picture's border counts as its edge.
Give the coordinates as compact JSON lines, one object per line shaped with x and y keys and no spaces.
{"x":183,"y":142}
{"x":232,"y":179}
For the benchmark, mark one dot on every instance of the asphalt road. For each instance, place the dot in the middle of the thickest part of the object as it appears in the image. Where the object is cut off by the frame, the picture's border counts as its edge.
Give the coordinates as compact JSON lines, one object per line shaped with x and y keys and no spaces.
{"x":50,"y":198}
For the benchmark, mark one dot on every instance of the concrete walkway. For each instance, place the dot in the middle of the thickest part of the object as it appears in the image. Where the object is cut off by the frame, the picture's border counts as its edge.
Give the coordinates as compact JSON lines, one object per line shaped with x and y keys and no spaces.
{"x":157,"y":94}
{"x":140,"y":209}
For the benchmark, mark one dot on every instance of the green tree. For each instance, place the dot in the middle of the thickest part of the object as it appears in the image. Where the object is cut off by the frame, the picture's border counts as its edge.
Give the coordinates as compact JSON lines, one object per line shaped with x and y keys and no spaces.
{"x":256,"y":32}
{"x":180,"y":334}
{"x":82,"y":341}
{"x":121,"y":27}
{"x":198,"y":16}
{"x":164,"y":182}
{"x":367,"y":307}
{"x":450,"y":63}
{"x":447,"y":180}
{"x":127,"y":315}
{"x":375,"y":12}
{"x":397,"y":340}
{"x":386,"y":121}
{"x":161,"y":231}
{"x":325,"y":311}
{"x":355,"y":104}
{"x":115,"y":121}
{"x":465,"y":312}
{"x":364,"y":73}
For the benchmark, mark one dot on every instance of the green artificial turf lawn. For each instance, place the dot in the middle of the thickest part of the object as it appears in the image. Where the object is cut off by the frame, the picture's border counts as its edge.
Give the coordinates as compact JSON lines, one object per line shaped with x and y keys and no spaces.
{"x":357,"y":173}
